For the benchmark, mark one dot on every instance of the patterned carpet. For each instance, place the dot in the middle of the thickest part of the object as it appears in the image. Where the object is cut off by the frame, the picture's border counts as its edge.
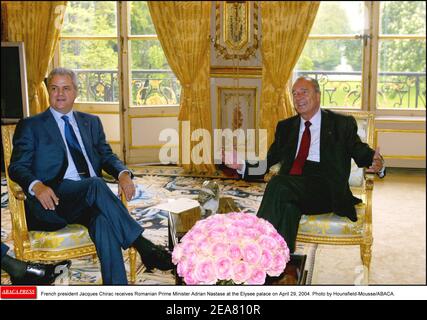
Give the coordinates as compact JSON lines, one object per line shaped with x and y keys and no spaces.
{"x":154,"y":186}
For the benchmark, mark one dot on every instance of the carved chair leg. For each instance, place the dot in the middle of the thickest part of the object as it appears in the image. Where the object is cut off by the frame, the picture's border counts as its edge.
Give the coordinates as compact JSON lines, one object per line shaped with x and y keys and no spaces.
{"x":132,"y":263}
{"x":365,"y":254}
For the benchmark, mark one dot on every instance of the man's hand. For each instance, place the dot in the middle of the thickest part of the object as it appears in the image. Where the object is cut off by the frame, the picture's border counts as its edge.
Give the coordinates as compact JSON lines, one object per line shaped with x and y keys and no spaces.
{"x":46,"y":196}
{"x":377,"y":162}
{"x":230,"y":160}
{"x":126,"y":185}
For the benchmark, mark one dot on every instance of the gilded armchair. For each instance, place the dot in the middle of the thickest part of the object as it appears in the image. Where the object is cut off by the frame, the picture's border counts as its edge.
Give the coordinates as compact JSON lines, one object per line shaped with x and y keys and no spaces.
{"x":70,"y":242}
{"x":335,"y":230}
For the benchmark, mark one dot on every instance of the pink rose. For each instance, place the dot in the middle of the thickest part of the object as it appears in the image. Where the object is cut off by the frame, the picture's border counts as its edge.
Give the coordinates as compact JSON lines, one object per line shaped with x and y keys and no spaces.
{"x":251,"y":233}
{"x":203,"y":245}
{"x":251,"y":253}
{"x":233,"y":215}
{"x":187,"y":237}
{"x":219,"y":249}
{"x":219,"y":228}
{"x":238,"y":224}
{"x":190,"y":279}
{"x":215,"y":235}
{"x":268,"y":242}
{"x":208,"y":223}
{"x":234,"y":252}
{"x":184,"y":267}
{"x":180,"y":268}
{"x":205,"y":272}
{"x":249,"y":220}
{"x":266,"y":259}
{"x":257,"y":277}
{"x":196,"y":235}
{"x":223,"y":267}
{"x":232,"y":233}
{"x":261,"y":228}
{"x":241,"y":272}
{"x":177,"y":254}
{"x":286,"y":253}
{"x":188,"y":247}
{"x":278,"y":265}
{"x":269,"y":227}
{"x":279,"y":239}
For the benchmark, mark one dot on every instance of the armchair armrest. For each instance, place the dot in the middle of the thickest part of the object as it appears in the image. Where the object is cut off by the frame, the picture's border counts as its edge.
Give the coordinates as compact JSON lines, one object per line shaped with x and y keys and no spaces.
{"x":369,"y":186}
{"x":108,"y":178}
{"x":17,"y":191}
{"x":369,"y":181}
{"x":268,"y":176}
{"x":274,"y":170}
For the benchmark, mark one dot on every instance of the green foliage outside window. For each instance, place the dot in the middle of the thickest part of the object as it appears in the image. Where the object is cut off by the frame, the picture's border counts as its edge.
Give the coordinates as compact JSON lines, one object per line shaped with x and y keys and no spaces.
{"x":406,"y":56}
{"x":99,"y":18}
{"x":96,"y":60}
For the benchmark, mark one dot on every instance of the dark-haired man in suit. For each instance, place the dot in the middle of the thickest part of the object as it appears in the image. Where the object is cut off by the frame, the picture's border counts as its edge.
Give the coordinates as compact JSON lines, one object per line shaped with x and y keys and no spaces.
{"x":315,"y":149}
{"x":57,"y":158}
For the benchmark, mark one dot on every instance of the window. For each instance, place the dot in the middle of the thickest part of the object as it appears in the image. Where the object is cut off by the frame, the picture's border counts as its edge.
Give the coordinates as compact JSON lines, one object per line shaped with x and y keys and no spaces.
{"x":152,"y":82}
{"x":89,"y":46}
{"x":333,"y":53}
{"x":401,"y":81}
{"x":361,"y":48}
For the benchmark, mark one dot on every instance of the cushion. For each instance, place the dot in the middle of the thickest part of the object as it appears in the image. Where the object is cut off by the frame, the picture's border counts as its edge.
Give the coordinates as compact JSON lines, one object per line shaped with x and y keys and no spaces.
{"x":356,"y":178}
{"x":70,"y":237}
{"x":356,"y":174}
{"x":331,"y":225}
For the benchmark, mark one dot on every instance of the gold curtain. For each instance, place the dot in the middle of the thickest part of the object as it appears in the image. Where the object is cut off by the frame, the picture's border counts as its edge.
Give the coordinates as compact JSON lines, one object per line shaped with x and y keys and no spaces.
{"x":38,"y":25}
{"x":285,"y":29}
{"x":183,"y":28}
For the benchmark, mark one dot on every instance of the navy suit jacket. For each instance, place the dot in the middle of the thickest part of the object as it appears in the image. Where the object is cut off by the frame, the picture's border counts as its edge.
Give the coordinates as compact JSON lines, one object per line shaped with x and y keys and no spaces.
{"x":39,"y":153}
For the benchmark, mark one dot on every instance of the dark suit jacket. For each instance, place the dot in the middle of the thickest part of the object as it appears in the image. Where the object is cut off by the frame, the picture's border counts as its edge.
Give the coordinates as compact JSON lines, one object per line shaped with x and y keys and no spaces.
{"x":39,"y":153}
{"x":339,"y":142}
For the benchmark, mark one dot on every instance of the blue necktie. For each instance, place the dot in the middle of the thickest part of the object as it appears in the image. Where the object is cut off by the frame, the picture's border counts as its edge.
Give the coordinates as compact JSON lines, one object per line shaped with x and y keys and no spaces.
{"x":75,"y":149}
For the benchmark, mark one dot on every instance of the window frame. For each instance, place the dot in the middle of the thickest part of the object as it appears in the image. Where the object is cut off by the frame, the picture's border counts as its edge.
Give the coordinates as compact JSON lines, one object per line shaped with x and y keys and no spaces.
{"x":371,"y":37}
{"x":375,"y":7}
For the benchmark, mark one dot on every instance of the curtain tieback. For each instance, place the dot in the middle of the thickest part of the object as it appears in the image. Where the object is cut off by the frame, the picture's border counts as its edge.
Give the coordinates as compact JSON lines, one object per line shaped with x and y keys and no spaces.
{"x":280,"y":92}
{"x":187,"y":86}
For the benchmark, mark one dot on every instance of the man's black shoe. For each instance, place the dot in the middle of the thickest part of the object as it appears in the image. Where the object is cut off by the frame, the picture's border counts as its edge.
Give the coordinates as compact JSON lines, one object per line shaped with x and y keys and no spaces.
{"x":157,"y":257}
{"x":41,"y":274}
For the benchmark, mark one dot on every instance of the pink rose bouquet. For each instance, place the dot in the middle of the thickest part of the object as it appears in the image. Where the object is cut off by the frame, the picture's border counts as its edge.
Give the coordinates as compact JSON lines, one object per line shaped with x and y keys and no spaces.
{"x":237,"y":248}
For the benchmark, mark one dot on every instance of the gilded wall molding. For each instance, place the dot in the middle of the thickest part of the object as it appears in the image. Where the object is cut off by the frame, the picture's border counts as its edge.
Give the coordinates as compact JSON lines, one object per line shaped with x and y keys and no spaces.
{"x":239,"y":93}
{"x":234,"y":25}
{"x":241,"y":72}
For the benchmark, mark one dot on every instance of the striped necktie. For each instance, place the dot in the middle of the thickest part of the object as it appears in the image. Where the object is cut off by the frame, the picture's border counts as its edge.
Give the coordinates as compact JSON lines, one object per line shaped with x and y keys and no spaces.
{"x":75,"y":149}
